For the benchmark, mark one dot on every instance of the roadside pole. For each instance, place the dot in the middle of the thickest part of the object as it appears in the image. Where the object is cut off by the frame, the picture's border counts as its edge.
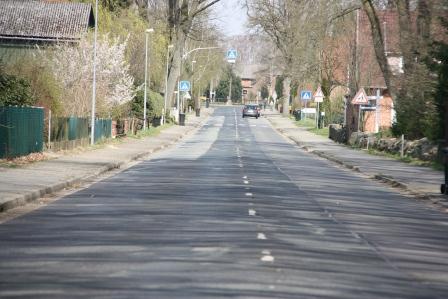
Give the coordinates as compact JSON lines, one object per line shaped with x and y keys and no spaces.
{"x":231,"y":56}
{"x":49,"y":128}
{"x":359,"y":100}
{"x":92,"y":124}
{"x":377,"y":112}
{"x":318,"y":98}
{"x":178,"y":100}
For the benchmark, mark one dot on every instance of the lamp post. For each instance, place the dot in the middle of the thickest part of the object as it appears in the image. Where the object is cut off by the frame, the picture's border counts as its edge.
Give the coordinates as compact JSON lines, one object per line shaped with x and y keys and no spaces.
{"x":165,"y":98}
{"x":92,"y":125}
{"x":147,"y":32}
{"x":192,"y":82}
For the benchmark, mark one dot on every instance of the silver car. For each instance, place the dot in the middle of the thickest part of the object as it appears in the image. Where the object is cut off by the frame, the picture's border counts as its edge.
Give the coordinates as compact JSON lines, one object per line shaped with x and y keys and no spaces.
{"x":251,"y":110}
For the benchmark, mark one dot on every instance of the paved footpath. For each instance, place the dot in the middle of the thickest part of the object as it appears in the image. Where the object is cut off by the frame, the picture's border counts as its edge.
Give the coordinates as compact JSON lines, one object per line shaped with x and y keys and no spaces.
{"x":25,"y":184}
{"x":422,"y":182}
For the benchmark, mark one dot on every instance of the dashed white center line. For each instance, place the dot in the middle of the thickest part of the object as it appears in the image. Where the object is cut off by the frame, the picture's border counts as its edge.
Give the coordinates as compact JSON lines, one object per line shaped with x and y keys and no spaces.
{"x":246,"y":182}
{"x":267,"y":257}
{"x":261,"y":236}
{"x":252,"y":212}
{"x":249,"y":194}
{"x":245,"y":177}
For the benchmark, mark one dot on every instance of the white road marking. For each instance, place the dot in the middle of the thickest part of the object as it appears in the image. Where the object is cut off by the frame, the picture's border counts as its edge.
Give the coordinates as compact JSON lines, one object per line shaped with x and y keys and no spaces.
{"x":261,"y":236}
{"x":252,"y":212}
{"x":267,"y":258}
{"x":246,"y":182}
{"x":249,"y":194}
{"x":236,"y":125}
{"x":245,"y":177}
{"x":241,"y":165}
{"x":271,"y":287}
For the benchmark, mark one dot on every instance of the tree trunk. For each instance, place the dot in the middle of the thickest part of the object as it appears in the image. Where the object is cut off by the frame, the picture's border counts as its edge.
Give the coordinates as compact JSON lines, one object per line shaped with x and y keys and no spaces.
{"x":378,"y":44}
{"x":174,"y":71}
{"x":286,"y":94}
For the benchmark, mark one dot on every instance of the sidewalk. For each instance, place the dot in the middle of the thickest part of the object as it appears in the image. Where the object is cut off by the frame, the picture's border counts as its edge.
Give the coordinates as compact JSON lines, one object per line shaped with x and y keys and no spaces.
{"x":420,"y":181}
{"x":21,"y":185}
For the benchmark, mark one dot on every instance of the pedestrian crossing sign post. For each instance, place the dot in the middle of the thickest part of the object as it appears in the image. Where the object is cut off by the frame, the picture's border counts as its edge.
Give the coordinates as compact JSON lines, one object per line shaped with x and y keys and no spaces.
{"x":184,"y":86}
{"x":232,"y":55}
{"x":306,"y":95}
{"x":318,"y":95}
{"x":360,"y":98}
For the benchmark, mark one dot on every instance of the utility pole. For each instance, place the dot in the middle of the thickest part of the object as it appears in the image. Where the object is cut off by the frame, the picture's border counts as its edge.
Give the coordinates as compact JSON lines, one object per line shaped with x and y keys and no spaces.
{"x":92,"y":125}
{"x":147,"y":32}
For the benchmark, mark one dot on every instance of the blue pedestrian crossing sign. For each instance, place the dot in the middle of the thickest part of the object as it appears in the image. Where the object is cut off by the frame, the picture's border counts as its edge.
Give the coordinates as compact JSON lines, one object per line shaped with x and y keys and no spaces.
{"x":306,"y":95}
{"x":184,"y":85}
{"x":232,"y":55}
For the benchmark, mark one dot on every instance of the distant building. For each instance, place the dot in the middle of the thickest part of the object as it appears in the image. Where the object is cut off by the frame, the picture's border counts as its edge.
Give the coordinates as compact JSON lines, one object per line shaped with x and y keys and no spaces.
{"x":31,"y":23}
{"x":371,"y":77}
{"x":250,"y":81}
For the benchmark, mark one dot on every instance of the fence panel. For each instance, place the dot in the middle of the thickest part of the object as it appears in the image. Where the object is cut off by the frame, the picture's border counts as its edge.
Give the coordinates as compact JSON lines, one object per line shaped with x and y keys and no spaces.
{"x":21,"y":131}
{"x":69,"y":132}
{"x":103,"y":129}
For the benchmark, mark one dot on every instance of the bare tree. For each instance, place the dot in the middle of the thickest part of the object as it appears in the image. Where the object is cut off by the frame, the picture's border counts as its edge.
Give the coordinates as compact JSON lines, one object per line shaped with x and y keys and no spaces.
{"x":181,"y":17}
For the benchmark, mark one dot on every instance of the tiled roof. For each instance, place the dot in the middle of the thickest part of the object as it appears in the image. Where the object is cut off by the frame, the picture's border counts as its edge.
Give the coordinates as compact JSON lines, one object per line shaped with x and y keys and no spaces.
{"x":36,"y":20}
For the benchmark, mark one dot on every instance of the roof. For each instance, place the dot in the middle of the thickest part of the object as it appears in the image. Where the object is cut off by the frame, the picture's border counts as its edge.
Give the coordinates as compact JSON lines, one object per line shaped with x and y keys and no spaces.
{"x":44,"y":21}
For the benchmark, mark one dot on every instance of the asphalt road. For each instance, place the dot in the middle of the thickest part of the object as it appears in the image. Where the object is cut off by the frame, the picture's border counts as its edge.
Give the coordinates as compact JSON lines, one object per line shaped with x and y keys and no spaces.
{"x":235,"y":211}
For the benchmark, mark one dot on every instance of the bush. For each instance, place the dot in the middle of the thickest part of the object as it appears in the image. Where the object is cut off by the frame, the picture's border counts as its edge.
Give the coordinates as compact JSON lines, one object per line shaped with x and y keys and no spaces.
{"x":154,"y":104}
{"x":14,"y":90}
{"x":46,"y":91}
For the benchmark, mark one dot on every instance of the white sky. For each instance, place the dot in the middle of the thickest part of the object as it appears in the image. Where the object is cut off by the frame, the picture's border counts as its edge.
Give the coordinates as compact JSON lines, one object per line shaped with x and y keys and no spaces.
{"x":230,"y":16}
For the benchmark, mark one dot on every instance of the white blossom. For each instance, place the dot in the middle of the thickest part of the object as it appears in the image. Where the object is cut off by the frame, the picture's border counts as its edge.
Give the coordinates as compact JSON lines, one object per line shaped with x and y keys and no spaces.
{"x":73,"y":67}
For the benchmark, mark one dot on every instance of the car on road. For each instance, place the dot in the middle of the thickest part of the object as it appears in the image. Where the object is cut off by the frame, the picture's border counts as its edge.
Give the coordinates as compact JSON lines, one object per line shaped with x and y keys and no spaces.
{"x":251,"y":110}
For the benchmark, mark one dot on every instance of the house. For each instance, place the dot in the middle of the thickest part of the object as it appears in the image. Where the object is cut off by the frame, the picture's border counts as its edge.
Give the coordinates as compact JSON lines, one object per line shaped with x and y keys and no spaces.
{"x":25,"y":24}
{"x":374,"y":116}
{"x":250,"y":82}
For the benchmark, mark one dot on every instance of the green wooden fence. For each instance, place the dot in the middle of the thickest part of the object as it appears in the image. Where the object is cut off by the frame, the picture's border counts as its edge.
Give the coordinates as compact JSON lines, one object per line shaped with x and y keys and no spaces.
{"x":21,"y":131}
{"x":103,"y":129}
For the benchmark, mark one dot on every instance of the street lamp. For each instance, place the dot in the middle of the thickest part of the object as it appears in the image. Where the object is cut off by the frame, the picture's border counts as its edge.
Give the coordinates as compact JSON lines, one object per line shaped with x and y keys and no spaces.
{"x":166,"y":82}
{"x":147,"y":32}
{"x":92,"y":125}
{"x":192,"y":81}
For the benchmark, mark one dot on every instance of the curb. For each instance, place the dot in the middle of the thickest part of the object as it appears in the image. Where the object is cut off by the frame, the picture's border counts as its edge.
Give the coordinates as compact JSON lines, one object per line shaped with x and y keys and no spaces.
{"x":440,"y":201}
{"x":39,"y":193}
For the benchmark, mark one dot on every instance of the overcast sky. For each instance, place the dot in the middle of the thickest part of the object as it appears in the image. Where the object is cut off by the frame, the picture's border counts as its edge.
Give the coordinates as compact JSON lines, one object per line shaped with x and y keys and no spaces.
{"x":230,"y":17}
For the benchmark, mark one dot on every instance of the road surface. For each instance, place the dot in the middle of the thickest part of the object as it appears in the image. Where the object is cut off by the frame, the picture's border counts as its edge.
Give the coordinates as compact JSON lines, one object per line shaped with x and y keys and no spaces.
{"x":234,"y":211}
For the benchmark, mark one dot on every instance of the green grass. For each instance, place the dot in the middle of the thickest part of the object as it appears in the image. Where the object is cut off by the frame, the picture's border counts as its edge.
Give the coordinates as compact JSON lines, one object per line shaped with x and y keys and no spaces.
{"x":310,"y":125}
{"x":306,"y":123}
{"x":151,"y":132}
{"x":325,"y":132}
